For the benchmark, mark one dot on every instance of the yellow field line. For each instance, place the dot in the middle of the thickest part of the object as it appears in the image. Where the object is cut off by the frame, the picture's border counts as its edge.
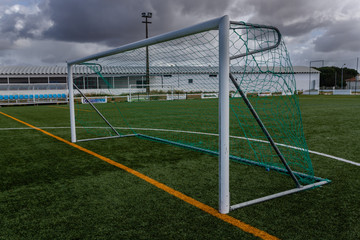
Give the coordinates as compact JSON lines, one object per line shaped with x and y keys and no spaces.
{"x":59,"y":107}
{"x":243,"y":226}
{"x":84,"y":110}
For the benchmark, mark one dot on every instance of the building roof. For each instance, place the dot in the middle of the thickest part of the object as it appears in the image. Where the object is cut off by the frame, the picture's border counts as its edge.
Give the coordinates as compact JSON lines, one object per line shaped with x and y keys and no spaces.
{"x":33,"y":70}
{"x":353,"y":79}
{"x":62,"y":70}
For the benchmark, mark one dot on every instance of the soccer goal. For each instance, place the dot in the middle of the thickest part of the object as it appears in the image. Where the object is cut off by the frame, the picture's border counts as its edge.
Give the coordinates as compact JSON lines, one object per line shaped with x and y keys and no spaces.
{"x":140,"y":92}
{"x":237,"y":88}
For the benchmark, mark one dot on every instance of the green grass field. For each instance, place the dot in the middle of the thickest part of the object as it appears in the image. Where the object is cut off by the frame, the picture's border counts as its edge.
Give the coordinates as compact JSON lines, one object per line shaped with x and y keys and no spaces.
{"x":50,"y":190}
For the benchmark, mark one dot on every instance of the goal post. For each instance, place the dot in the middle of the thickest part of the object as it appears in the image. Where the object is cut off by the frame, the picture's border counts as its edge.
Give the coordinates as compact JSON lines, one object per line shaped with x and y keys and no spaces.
{"x":239,"y":99}
{"x":71,"y":102}
{"x":224,"y":136}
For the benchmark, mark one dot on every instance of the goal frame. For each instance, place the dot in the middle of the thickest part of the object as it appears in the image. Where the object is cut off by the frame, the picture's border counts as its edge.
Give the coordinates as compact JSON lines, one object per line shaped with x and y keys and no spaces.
{"x":221,"y":24}
{"x":158,"y":87}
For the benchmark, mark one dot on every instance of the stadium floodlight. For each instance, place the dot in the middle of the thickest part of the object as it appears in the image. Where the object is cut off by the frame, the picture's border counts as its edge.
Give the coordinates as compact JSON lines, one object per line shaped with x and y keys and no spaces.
{"x":231,"y":78}
{"x":146,"y":16}
{"x":342,"y":75}
{"x":322,"y":61}
{"x":357,"y":76}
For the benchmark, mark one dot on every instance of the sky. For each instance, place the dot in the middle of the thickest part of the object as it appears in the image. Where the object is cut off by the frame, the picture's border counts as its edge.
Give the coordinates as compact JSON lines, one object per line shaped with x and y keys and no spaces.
{"x":51,"y":32}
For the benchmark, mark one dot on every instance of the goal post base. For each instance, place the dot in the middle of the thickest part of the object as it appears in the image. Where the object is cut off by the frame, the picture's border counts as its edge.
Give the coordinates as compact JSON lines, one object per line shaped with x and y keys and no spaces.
{"x":104,"y":138}
{"x":277,"y":195}
{"x":319,"y":181}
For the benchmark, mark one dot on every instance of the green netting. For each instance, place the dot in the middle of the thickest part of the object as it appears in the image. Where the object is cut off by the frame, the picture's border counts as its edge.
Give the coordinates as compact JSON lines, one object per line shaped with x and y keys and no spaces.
{"x":179,"y":103}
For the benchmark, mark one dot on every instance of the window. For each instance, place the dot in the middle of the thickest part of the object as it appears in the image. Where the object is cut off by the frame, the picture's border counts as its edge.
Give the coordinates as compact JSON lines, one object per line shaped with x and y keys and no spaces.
{"x":91,"y":82}
{"x":212,"y":75}
{"x":140,"y":84}
{"x":3,"y":81}
{"x":167,"y":76}
{"x":79,"y":82}
{"x":190,"y":80}
{"x":121,"y":82}
{"x":106,"y":82}
{"x":57,"y":79}
{"x":18,"y":80}
{"x":38,"y":80}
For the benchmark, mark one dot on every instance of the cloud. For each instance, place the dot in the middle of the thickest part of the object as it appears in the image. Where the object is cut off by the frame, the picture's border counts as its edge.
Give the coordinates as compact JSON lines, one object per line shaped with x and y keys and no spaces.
{"x":292,"y":17}
{"x":19,"y":21}
{"x":311,"y":28}
{"x":95,"y":21}
{"x":43,"y":52}
{"x":119,"y":22}
{"x":340,"y":36}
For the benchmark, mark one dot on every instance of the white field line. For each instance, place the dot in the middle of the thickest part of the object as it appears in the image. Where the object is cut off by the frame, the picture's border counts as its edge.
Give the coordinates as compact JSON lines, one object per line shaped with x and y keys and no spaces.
{"x":209,"y":134}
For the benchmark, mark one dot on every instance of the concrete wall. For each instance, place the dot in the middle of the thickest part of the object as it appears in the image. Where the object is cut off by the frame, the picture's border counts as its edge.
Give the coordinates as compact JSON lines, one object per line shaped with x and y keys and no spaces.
{"x":303,"y":81}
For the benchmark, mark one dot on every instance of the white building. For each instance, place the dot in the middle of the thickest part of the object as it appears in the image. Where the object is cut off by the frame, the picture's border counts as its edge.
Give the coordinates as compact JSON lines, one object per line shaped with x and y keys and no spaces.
{"x":41,"y":80}
{"x":353,"y":83}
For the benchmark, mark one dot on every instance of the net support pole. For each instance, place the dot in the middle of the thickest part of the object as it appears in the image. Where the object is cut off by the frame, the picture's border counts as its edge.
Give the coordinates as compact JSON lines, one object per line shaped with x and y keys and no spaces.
{"x":96,"y":110}
{"x":265,"y":131}
{"x":71,"y":103}
{"x":224,"y":151}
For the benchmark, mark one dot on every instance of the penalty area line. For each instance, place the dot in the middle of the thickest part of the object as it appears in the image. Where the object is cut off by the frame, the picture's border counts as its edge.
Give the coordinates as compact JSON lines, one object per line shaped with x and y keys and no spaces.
{"x":210,"y":210}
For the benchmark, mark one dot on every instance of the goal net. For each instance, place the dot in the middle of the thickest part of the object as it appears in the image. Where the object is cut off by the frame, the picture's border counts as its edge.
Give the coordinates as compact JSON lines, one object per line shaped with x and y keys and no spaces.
{"x":139,"y":92}
{"x":187,"y":67}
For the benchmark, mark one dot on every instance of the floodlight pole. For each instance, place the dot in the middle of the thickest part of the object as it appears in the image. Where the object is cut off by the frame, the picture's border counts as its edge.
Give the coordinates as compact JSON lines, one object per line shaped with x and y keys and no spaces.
{"x":357,"y":69}
{"x":342,"y":75}
{"x":146,"y":16}
{"x":310,"y":72}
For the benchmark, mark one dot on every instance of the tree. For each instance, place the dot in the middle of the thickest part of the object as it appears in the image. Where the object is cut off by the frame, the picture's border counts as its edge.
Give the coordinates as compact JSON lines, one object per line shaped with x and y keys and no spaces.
{"x":328,"y":76}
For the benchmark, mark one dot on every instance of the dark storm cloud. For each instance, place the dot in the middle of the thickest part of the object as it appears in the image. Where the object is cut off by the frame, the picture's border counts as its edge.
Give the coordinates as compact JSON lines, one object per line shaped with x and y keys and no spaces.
{"x":19,"y":22}
{"x":92,"y":20}
{"x":321,"y":28}
{"x":312,"y":28}
{"x":293,"y":17}
{"x":342,"y":35}
{"x":117,"y":22}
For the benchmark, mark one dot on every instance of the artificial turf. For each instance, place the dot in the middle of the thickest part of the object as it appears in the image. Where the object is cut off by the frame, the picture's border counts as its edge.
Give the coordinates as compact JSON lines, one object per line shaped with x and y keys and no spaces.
{"x":50,"y":190}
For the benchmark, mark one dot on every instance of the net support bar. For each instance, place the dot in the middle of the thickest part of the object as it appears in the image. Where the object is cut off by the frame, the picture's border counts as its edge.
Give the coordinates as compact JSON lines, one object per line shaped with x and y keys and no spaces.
{"x":98,"y":112}
{"x":276,"y":195}
{"x":261,"y":49}
{"x":103,"y":138}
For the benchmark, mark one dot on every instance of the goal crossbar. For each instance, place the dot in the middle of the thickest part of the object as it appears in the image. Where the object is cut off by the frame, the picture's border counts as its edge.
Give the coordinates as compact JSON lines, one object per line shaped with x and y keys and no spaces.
{"x":201,"y":27}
